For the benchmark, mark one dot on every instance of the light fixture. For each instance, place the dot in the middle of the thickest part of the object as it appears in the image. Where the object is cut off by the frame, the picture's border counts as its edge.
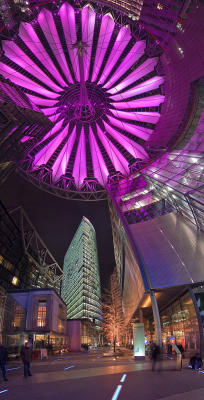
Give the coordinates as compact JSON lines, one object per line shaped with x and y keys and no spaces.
{"x":159,"y":6}
{"x":15,"y":280}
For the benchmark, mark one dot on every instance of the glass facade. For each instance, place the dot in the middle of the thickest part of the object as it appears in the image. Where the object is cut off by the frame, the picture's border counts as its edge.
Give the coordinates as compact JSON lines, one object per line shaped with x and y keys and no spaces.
{"x":118,"y":233}
{"x":81,"y":289}
{"x":88,"y":333}
{"x":127,"y":268}
{"x":180,"y":325}
{"x":178,"y":174}
{"x":179,"y":178}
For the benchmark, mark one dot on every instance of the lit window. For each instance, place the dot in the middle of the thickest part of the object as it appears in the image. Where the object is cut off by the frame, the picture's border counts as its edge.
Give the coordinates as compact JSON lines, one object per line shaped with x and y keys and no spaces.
{"x":15,"y":280}
{"x":18,"y":317}
{"x":42,"y":312}
{"x":1,"y":259}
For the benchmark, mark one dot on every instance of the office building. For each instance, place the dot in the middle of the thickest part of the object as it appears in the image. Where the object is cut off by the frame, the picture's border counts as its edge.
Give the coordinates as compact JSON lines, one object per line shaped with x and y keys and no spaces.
{"x":81,"y":289}
{"x":37,"y":315}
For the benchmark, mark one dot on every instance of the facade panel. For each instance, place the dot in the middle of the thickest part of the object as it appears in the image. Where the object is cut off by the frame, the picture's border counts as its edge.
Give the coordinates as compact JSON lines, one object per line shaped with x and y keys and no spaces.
{"x":133,"y":283}
{"x":172,"y":250}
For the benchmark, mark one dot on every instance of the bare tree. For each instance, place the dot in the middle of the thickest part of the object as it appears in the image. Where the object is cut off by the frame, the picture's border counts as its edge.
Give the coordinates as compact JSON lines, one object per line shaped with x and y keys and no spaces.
{"x":113,"y":320}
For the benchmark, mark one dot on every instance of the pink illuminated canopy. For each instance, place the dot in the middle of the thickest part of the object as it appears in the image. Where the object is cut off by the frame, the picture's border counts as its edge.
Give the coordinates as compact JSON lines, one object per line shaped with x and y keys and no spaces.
{"x":95,"y":84}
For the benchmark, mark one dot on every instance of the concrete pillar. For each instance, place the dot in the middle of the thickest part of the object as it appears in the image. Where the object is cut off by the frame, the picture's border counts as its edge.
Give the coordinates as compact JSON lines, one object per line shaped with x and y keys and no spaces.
{"x":156,"y":318}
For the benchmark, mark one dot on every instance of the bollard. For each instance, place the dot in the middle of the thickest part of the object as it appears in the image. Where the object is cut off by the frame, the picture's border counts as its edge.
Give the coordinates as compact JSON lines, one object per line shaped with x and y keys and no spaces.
{"x":179,"y":362}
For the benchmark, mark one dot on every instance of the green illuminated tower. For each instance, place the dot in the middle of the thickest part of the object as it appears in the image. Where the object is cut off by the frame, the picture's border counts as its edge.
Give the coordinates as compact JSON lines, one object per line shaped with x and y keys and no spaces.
{"x":81,"y":289}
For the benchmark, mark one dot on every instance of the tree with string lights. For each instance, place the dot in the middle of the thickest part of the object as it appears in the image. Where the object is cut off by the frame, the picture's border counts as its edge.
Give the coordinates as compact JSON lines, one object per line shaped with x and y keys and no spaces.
{"x":113,"y":320}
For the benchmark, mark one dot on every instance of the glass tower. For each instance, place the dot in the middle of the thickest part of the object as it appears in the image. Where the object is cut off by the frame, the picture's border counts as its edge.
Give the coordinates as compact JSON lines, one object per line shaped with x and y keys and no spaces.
{"x":81,"y":290}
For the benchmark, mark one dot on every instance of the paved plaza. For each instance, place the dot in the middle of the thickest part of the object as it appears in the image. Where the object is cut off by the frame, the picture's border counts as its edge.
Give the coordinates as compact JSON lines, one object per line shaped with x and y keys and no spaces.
{"x":93,"y":377}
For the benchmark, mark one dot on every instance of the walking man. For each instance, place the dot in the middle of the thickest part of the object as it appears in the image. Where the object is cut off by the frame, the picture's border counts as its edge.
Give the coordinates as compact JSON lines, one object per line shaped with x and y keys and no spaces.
{"x":3,"y":359}
{"x":155,"y":355}
{"x":26,"y":356}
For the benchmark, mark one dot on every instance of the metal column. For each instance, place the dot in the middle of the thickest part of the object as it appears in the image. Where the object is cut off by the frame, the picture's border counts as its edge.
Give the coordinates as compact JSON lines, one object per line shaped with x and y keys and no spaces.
{"x":200,"y":325}
{"x":157,"y":322}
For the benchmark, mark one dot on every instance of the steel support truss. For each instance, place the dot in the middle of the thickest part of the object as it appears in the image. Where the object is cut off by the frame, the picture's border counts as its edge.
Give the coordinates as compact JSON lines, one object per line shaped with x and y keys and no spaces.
{"x":90,"y":193}
{"x":36,"y":249}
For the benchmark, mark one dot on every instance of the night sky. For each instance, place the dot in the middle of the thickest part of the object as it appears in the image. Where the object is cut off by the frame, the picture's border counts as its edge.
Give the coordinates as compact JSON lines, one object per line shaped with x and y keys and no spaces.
{"x":56,"y":220}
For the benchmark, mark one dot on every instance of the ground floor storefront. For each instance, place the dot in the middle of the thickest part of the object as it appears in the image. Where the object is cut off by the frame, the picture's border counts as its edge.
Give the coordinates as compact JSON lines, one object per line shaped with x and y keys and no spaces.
{"x":50,"y":341}
{"x":181,"y":321}
{"x":179,"y":325}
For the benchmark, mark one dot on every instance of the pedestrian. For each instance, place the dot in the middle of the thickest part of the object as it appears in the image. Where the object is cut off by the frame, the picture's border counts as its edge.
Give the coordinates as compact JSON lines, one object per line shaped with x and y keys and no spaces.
{"x":26,"y":356}
{"x":155,"y":355}
{"x":169,"y":349}
{"x":181,"y":349}
{"x":196,"y":361}
{"x":3,"y":359}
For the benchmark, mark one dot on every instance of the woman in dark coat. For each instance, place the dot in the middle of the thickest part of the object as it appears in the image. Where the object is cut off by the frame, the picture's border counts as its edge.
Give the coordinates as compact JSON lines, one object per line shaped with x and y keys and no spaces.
{"x":26,"y":356}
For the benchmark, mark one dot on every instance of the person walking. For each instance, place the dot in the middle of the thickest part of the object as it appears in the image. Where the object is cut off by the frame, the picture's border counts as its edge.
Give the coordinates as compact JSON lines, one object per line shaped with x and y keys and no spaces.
{"x":181,"y":349}
{"x":26,"y":356}
{"x":155,"y":355}
{"x":3,"y":359}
